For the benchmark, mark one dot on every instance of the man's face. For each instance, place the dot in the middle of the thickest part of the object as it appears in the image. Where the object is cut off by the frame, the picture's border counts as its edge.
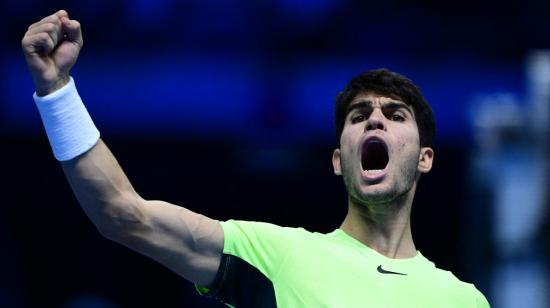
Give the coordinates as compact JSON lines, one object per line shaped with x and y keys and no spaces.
{"x":380,"y":156}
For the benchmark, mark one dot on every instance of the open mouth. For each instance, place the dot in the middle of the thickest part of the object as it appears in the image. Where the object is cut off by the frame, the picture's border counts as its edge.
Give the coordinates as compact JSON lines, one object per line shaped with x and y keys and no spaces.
{"x":374,"y":157}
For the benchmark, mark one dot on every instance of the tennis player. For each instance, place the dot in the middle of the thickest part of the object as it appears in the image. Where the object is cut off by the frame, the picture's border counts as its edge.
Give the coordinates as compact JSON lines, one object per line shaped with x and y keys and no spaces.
{"x":385,"y":130}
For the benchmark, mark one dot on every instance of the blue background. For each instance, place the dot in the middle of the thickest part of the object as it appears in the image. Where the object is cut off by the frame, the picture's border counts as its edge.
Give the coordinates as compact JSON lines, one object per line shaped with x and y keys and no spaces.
{"x":226,"y":107}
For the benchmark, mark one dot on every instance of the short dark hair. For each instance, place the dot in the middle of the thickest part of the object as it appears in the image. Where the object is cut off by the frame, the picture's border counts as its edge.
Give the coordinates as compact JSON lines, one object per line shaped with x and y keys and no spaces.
{"x":391,"y":84}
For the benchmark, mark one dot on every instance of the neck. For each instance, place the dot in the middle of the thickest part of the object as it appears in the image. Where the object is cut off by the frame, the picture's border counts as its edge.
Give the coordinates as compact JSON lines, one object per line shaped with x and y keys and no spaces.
{"x":385,"y":227}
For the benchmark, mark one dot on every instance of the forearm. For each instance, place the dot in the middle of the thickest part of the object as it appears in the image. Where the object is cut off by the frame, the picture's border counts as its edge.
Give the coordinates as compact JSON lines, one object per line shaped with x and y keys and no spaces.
{"x":103,"y":190}
{"x":186,"y":242}
{"x":175,"y":237}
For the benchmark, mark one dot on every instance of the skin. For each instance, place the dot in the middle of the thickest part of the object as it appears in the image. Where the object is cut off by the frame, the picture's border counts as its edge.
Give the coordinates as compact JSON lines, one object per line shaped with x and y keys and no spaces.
{"x":50,"y":68}
{"x":379,"y":205}
{"x":188,"y":243}
{"x":191,"y":244}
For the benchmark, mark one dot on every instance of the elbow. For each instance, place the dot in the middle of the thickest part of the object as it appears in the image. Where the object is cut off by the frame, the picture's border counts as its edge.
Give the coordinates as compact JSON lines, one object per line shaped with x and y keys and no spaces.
{"x":121,"y":231}
{"x":109,"y":232}
{"x":123,"y":220}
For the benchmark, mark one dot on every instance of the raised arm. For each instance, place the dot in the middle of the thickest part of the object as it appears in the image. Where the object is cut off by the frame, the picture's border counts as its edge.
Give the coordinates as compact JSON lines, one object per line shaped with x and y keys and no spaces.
{"x":188,"y":243}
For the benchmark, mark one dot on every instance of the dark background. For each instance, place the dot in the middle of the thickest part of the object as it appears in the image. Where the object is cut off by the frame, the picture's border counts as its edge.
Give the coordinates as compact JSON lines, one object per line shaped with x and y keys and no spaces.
{"x":226,"y":108}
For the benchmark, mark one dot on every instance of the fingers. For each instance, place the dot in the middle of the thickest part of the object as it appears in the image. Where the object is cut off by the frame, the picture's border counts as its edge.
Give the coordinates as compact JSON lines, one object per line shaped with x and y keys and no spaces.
{"x":58,"y":27}
{"x":54,"y":18}
{"x":40,"y":43}
{"x":73,"y":30}
{"x":62,"y":13}
{"x":54,"y":30}
{"x":51,"y":25}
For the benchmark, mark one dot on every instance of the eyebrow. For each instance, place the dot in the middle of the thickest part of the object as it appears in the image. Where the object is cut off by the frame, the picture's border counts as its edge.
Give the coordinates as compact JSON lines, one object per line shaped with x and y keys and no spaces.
{"x":388,"y":105}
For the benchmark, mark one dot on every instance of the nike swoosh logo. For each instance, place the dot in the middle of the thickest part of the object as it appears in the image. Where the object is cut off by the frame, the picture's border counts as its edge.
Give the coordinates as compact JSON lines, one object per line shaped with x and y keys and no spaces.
{"x":383,"y":271}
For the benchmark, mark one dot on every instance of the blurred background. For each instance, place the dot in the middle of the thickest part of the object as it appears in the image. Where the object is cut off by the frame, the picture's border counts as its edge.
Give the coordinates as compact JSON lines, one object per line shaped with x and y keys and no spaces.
{"x":226,"y":107}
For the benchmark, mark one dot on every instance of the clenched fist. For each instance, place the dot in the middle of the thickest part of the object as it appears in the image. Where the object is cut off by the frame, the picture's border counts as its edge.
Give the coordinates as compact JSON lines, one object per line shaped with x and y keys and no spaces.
{"x":51,"y":47}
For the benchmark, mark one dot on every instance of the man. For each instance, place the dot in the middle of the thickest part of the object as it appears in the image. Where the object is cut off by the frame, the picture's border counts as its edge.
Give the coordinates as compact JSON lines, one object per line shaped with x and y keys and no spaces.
{"x":385,"y":130}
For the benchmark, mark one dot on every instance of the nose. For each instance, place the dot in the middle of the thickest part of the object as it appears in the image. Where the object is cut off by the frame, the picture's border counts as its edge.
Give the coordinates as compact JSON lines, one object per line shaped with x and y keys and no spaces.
{"x":375,"y":121}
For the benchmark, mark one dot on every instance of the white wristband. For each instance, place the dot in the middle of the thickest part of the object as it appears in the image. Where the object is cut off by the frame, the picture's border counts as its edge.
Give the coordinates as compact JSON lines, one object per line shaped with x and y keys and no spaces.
{"x":68,"y":125}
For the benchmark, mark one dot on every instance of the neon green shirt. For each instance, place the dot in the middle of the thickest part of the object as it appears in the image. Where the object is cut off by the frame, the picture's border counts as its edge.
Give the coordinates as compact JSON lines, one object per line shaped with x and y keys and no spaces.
{"x":265,"y":265}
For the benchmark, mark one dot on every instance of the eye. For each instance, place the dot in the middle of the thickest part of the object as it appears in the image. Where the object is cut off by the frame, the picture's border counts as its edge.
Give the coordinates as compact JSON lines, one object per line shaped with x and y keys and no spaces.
{"x":357,"y":118}
{"x":397,"y":117}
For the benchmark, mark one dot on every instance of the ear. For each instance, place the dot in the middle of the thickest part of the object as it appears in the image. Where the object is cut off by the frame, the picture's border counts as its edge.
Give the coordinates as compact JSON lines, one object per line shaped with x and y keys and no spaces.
{"x":336,"y":162}
{"x":425,"y":160}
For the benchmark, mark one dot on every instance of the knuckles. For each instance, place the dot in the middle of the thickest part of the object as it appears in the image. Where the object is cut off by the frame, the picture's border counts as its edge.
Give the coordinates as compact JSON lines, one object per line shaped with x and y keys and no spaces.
{"x":50,"y":27}
{"x":53,"y":19}
{"x":43,"y":35}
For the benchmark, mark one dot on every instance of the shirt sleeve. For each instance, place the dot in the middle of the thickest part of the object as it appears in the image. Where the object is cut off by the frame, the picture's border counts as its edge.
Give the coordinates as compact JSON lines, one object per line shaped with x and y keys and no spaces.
{"x":481,"y":301}
{"x":253,"y":254}
{"x":263,"y":245}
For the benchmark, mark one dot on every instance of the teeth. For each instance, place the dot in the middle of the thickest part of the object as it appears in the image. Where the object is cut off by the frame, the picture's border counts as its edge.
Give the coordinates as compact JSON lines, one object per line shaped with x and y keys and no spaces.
{"x":375,"y":171}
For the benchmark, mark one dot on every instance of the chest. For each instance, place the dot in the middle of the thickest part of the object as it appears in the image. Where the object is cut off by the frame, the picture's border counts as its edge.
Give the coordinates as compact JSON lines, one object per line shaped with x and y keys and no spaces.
{"x":332,"y":280}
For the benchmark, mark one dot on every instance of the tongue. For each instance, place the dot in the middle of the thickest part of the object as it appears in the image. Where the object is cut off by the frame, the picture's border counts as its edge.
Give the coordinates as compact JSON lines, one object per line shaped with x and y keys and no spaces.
{"x":375,"y":156}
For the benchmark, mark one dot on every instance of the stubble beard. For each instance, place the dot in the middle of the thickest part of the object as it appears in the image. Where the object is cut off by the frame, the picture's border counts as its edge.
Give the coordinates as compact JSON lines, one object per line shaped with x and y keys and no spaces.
{"x":390,"y":194}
